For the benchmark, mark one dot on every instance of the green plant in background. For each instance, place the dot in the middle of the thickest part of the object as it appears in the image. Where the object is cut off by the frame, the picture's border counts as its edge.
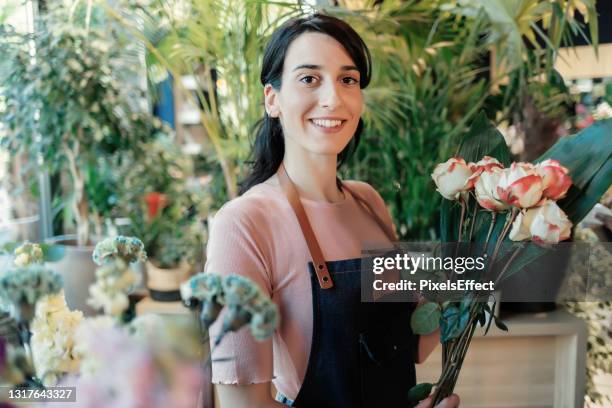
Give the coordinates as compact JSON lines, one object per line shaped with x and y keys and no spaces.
{"x":219,"y":45}
{"x":69,"y":107}
{"x":446,"y":60}
{"x":166,"y":206}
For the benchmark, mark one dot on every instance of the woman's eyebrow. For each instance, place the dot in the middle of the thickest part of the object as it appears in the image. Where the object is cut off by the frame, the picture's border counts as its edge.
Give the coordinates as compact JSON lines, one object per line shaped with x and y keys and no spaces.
{"x":311,"y":66}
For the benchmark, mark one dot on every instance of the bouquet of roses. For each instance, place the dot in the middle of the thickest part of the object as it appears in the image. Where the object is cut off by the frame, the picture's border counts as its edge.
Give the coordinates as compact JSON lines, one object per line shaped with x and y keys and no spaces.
{"x":491,"y":208}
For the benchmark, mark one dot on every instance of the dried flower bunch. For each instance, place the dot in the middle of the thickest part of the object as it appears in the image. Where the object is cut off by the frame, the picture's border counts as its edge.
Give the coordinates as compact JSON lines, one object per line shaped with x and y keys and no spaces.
{"x":114,"y":277}
{"x":244,"y":300}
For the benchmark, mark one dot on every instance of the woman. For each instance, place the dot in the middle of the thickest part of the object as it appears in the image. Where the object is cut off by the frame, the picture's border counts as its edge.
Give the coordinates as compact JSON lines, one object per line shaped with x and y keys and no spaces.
{"x":298,"y":231}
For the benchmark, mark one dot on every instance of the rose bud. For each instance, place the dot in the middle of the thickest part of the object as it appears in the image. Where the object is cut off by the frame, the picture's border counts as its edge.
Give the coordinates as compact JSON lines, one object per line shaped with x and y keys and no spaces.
{"x":486,"y":190}
{"x":546,"y":224}
{"x":486,"y":163}
{"x":520,"y":186}
{"x":452,"y":177}
{"x":555,"y":179}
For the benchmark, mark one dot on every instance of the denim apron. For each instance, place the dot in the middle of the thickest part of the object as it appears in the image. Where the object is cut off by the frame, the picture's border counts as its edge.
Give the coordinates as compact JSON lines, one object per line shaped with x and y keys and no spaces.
{"x":362,"y":354}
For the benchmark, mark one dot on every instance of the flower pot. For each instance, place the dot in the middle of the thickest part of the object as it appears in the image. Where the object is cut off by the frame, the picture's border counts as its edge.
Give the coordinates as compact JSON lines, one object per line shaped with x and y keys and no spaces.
{"x":20,"y":229}
{"x":78,"y":271}
{"x":164,"y":284}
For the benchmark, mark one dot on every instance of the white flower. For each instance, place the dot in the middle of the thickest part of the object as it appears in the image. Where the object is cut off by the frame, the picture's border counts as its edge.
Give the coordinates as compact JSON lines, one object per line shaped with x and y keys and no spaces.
{"x":486,"y":163}
{"x":555,"y":179}
{"x":520,"y":186}
{"x":53,"y":333}
{"x":486,"y":190}
{"x":452,"y":178}
{"x":546,"y":224}
{"x":111,"y":302}
{"x":22,"y":260}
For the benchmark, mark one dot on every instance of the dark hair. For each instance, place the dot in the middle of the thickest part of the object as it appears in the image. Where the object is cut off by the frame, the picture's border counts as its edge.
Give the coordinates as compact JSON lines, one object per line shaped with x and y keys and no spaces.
{"x":269,"y":147}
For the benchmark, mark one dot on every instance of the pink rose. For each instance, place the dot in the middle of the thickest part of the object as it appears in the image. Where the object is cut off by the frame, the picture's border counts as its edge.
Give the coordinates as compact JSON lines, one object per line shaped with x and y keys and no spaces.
{"x":520,"y":186}
{"x":486,"y":189}
{"x":555,"y":179}
{"x":452,"y":177}
{"x":546,"y":224}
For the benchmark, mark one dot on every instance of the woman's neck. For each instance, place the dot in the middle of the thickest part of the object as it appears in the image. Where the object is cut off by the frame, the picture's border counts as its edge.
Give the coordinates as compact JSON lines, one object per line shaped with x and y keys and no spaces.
{"x":314,"y":175}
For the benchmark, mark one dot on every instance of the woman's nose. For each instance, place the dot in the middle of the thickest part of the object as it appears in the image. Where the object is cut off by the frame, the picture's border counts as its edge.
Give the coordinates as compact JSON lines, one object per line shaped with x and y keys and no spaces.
{"x":330,"y":97}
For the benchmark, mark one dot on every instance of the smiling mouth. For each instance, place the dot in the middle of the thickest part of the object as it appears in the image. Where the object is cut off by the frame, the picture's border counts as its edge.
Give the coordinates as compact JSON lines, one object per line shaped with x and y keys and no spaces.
{"x":327,"y":123}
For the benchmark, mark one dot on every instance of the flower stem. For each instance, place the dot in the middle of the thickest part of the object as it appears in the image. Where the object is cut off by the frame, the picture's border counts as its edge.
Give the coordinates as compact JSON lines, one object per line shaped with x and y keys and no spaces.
{"x":509,"y":220}
{"x":493,"y":218}
{"x":514,"y":255}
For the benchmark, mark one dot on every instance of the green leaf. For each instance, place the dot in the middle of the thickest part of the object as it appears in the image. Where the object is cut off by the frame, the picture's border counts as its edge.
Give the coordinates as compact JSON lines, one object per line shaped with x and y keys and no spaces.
{"x":500,"y":325}
{"x":453,"y":323}
{"x":482,"y":319}
{"x":419,"y":392}
{"x":483,"y":139}
{"x":587,"y":155}
{"x":426,"y":318}
{"x":583,"y":153}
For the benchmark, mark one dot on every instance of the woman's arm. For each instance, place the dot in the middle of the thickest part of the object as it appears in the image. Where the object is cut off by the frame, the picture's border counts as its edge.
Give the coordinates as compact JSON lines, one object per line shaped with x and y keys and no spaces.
{"x":427,"y":344}
{"x":246,"y":396}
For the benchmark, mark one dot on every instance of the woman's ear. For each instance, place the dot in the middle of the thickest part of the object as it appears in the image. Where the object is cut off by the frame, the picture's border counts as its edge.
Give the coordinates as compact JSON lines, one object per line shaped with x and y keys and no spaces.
{"x":271,"y":101}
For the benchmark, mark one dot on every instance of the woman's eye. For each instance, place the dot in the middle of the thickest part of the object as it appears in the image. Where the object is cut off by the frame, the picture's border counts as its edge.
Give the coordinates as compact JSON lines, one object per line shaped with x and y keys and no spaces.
{"x":308,"y":79}
{"x":350,"y":80}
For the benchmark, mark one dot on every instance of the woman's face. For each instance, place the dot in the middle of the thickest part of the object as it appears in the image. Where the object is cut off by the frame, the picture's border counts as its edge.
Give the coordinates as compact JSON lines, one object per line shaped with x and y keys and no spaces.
{"x":320,"y":101}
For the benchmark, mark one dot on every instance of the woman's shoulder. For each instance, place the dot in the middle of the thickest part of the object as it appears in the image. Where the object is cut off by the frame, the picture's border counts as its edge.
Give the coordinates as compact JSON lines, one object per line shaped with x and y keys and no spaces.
{"x":252,"y":208}
{"x":364,"y":189}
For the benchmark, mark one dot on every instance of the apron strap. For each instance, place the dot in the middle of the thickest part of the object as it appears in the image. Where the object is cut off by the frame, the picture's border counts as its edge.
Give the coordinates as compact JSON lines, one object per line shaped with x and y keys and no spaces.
{"x":316,"y":254}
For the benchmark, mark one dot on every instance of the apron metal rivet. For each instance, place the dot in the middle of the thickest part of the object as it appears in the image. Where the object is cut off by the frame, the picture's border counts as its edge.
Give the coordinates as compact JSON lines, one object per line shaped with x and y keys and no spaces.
{"x":325,"y":279}
{"x":320,"y":266}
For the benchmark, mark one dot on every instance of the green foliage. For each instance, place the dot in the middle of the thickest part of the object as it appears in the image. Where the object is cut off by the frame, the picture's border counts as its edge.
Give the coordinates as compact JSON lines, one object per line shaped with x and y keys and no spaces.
{"x":419,"y":392}
{"x":432,"y":59}
{"x":176,"y":230}
{"x":431,"y":75}
{"x":453,"y":322}
{"x":587,"y":156}
{"x":425,"y":319}
{"x":70,"y":102}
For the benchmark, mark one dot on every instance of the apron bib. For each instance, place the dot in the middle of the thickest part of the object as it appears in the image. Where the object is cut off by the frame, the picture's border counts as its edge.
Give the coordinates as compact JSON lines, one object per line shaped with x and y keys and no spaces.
{"x":362,"y":354}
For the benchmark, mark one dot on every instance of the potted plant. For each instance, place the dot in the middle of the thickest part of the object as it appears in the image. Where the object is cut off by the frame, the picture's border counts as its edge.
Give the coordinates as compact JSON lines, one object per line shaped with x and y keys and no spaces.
{"x":70,"y":105}
{"x":167,"y":208}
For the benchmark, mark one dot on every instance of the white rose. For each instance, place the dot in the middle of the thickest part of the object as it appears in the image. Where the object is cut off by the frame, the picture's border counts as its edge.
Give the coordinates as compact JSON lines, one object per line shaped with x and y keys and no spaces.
{"x":546,"y":224}
{"x":520,"y":186}
{"x":486,"y":190}
{"x":486,"y":163}
{"x":452,"y":177}
{"x":555,"y":179}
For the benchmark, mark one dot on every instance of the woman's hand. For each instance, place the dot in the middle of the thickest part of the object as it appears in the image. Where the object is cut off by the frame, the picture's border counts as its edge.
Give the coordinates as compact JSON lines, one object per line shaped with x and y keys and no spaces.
{"x":451,"y":401}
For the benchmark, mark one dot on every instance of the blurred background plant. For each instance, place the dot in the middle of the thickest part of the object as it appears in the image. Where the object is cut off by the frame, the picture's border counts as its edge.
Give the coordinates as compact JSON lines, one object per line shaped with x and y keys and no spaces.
{"x":446,"y":60}
{"x":151,"y":361}
{"x":166,"y":205}
{"x":436,"y":63}
{"x":69,"y":106}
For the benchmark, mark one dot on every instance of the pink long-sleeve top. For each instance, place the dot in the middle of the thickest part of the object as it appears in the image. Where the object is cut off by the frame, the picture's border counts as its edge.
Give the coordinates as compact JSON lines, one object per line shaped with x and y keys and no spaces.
{"x":257,"y":235}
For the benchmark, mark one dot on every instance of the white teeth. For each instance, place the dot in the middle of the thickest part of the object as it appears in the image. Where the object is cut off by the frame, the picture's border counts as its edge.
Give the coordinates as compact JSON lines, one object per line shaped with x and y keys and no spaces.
{"x":327,"y":123}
